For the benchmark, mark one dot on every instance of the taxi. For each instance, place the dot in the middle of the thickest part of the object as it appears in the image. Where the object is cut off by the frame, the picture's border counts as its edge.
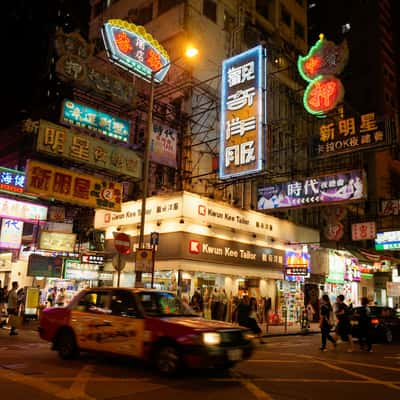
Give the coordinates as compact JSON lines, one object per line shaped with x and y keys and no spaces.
{"x":150,"y":324}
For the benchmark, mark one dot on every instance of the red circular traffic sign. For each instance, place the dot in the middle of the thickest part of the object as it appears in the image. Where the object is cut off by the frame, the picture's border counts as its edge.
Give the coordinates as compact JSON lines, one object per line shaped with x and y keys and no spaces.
{"x":122,"y":243}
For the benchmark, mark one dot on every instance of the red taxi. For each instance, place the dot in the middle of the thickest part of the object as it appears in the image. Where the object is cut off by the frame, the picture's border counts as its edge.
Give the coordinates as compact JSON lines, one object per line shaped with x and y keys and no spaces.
{"x":150,"y":324}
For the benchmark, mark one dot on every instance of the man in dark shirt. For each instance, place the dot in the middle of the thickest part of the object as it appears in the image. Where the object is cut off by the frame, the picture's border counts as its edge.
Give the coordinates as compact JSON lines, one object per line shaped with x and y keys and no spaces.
{"x":364,"y":325}
{"x":343,"y":327}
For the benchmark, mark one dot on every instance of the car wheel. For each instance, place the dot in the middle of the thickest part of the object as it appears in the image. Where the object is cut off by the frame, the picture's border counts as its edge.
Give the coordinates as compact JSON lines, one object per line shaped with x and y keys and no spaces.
{"x":168,"y":360}
{"x":66,"y":346}
{"x":388,"y":336}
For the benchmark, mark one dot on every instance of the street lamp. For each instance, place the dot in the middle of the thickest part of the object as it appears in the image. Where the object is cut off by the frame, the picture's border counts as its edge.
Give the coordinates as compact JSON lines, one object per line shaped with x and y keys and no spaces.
{"x":190,"y":52}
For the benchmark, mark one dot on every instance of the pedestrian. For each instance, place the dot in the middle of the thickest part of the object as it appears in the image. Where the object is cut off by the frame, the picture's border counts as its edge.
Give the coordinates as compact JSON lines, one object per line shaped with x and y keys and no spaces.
{"x":2,"y":307}
{"x":12,"y":307}
{"x":215,"y":302}
{"x":247,"y":316}
{"x":310,"y":313}
{"x":60,"y":299}
{"x":51,"y":298}
{"x":197,"y":302}
{"x":325,"y":322}
{"x":343,"y":327}
{"x":364,"y":325}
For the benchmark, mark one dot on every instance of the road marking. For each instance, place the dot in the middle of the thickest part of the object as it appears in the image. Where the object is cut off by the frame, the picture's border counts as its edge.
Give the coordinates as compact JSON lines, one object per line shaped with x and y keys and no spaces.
{"x":368,"y":365}
{"x":303,"y":380}
{"x":353,"y":373}
{"x":258,"y":393}
{"x":272,"y":361}
{"x":78,"y":388}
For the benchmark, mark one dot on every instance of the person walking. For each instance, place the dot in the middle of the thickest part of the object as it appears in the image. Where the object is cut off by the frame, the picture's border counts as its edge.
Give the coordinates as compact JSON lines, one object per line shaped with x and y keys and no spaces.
{"x":364,"y":325}
{"x":247,"y":316}
{"x":2,"y":306}
{"x":343,"y":328}
{"x":324,"y":322}
{"x":12,"y":307}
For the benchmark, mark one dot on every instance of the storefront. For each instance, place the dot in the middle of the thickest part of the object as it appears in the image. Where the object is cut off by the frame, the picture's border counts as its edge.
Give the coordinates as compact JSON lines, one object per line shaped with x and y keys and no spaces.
{"x":207,"y":245}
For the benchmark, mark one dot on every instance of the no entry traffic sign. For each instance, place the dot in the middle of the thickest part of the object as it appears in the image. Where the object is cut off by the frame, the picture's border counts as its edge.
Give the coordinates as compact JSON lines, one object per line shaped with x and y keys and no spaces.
{"x":122,"y":243}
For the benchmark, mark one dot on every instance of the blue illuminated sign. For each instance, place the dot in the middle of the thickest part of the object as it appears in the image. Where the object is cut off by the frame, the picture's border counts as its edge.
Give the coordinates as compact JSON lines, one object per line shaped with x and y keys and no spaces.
{"x":11,"y":180}
{"x":94,"y":120}
{"x":243,"y":114}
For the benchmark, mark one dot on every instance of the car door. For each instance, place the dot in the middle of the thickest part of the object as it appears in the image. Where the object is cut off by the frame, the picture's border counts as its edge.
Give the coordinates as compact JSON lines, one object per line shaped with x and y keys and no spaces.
{"x":126,"y":325}
{"x":90,"y":319}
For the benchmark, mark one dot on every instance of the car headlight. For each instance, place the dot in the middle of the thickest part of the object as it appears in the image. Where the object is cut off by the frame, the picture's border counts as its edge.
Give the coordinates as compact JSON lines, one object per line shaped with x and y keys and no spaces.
{"x":211,"y":338}
{"x":248,"y":335}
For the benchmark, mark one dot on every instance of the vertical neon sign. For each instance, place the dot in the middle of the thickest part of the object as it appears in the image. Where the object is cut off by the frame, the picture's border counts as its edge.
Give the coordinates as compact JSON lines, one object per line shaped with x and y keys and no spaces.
{"x":243,"y":113}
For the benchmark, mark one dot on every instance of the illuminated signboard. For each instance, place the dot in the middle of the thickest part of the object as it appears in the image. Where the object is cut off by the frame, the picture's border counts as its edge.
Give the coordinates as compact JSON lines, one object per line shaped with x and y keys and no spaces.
{"x":319,"y":67}
{"x":22,"y":210}
{"x":336,"y":268}
{"x":11,"y":233}
{"x":50,"y":267}
{"x":132,"y":48}
{"x":59,"y":141}
{"x":351,"y":134}
{"x":387,"y":240}
{"x":57,"y":241}
{"x":52,"y":182}
{"x":346,"y":186}
{"x":296,"y":264}
{"x":73,"y":269}
{"x":86,"y":117}
{"x":243,"y":113}
{"x":11,"y":180}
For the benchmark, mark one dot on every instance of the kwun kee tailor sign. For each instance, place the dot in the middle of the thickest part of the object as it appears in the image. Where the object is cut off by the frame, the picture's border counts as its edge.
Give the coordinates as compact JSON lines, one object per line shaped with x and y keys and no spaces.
{"x":243,"y":113}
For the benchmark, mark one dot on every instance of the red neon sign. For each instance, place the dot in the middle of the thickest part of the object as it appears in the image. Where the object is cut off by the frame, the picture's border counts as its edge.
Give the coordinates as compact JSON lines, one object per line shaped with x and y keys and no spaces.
{"x":123,"y":43}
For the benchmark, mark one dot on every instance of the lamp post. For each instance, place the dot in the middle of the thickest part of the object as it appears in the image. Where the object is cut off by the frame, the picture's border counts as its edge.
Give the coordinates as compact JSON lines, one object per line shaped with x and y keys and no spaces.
{"x":189,"y":53}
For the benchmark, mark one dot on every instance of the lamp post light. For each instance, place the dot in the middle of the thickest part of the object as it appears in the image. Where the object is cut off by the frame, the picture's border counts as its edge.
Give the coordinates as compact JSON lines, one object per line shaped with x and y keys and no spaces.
{"x":190,"y":52}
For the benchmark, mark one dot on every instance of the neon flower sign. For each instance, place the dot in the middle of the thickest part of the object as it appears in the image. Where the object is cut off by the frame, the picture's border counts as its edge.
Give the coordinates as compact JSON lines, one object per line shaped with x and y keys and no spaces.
{"x":324,"y":60}
{"x":132,"y":48}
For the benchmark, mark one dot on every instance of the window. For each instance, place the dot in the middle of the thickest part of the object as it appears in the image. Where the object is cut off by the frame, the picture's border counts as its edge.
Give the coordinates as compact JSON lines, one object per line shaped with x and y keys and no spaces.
{"x":210,"y":9}
{"x":285,"y":16}
{"x":166,"y":5}
{"x":298,"y":30}
{"x":94,"y":302}
{"x":123,"y":304}
{"x":163,"y":304}
{"x":229,"y":21}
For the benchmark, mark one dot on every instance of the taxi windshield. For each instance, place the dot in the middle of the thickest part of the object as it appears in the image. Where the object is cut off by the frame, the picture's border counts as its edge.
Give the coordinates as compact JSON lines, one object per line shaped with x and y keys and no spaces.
{"x":163,"y":304}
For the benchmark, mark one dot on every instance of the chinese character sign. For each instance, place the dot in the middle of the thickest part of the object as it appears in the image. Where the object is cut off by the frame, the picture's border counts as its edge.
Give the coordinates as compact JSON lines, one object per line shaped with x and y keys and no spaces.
{"x":59,"y":141}
{"x":132,"y":48}
{"x":11,"y":180}
{"x":21,"y":210}
{"x":242,"y":131}
{"x":11,"y":233}
{"x":350,"y":134}
{"x":163,"y":145}
{"x":86,"y":117}
{"x":48,"y":181}
{"x":296,"y":264}
{"x":363,"y":231}
{"x":347,"y":186}
{"x":387,"y":240}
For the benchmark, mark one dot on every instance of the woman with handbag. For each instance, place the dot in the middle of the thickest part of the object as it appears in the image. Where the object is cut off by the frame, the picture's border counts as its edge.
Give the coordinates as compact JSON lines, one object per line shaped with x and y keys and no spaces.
{"x":12,"y":308}
{"x":324,"y":322}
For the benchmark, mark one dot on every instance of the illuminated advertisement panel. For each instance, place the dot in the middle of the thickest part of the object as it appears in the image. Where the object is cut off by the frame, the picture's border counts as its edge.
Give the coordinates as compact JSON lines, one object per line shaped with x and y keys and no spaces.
{"x":59,"y":141}
{"x":296,"y":264}
{"x":132,"y":48}
{"x":11,"y":233}
{"x":243,"y":113}
{"x":11,"y":180}
{"x":346,"y":186}
{"x":21,"y":210}
{"x":52,"y":182}
{"x":387,"y":240}
{"x":89,"y":118}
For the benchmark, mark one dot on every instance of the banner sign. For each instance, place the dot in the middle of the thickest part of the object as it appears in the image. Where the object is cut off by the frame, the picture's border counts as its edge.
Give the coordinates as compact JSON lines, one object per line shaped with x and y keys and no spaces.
{"x":28,"y":212}
{"x":62,"y":184}
{"x":336,"y":268}
{"x":11,"y":233}
{"x":48,"y":267}
{"x":296,"y":264}
{"x":363,"y":231}
{"x":389,"y":207}
{"x":144,"y":260}
{"x":243,"y":113}
{"x":11,"y":180}
{"x":62,"y":142}
{"x":89,"y":118}
{"x":132,"y":48}
{"x":57,"y":241}
{"x":352,"y":270}
{"x":346,"y":186}
{"x":393,"y":289}
{"x":387,"y":240}
{"x":351,"y":134}
{"x":74,"y":269}
{"x":163,"y":145}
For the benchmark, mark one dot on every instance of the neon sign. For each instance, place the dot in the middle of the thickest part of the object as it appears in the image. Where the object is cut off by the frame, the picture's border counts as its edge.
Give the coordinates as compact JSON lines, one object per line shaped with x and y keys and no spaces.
{"x":243,"y":113}
{"x":132,"y":48}
{"x":11,"y":180}
{"x":324,"y":60}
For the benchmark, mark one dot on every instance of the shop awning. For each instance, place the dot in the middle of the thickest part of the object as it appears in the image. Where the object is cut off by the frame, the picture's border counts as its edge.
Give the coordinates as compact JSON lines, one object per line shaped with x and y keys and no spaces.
{"x":371,"y":256}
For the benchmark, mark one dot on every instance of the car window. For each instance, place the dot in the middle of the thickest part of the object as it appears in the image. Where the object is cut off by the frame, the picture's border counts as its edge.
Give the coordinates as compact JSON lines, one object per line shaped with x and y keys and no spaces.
{"x":163,"y":304}
{"x":123,"y":304}
{"x":94,"y":302}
